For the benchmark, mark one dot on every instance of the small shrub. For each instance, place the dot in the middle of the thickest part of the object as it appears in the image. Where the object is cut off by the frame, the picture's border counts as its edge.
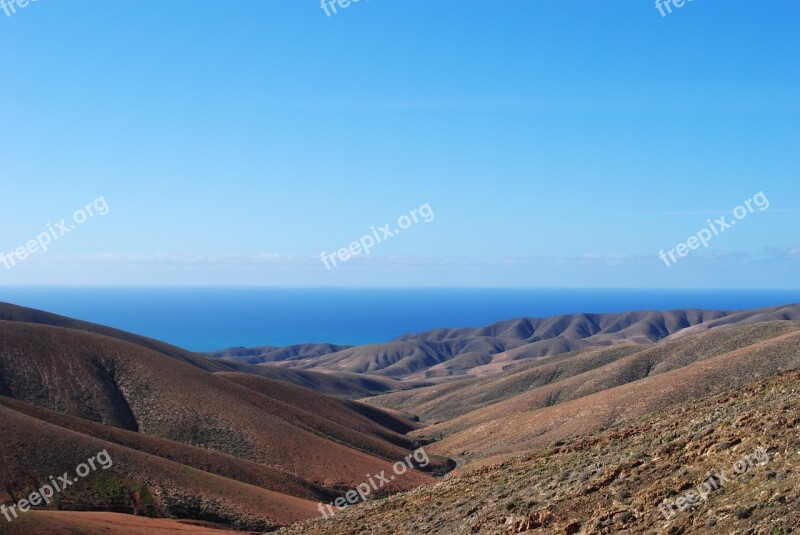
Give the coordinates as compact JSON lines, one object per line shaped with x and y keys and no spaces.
{"x":626,"y":516}
{"x":742,"y":513}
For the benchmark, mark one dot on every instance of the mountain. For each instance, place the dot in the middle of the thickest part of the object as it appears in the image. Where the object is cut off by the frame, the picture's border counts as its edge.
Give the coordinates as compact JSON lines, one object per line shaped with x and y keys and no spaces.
{"x":572,"y":424}
{"x":550,"y":380}
{"x":613,"y":481}
{"x":260,"y":355}
{"x":618,"y":392}
{"x":14,"y":313}
{"x":448,"y":353}
{"x":346,"y":385}
{"x":92,"y":523}
{"x":343,"y":385}
{"x":189,"y":440}
{"x":137,"y":482}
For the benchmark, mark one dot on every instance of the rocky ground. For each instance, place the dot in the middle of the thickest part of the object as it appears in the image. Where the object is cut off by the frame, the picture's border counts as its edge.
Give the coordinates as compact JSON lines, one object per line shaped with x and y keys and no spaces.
{"x":614,"y":480}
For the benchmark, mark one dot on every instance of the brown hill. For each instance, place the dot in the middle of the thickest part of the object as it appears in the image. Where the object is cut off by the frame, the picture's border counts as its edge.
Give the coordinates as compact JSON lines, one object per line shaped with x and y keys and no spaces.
{"x":213,"y":462}
{"x":9,"y":312}
{"x":136,"y":482}
{"x":343,"y":385}
{"x":72,"y":523}
{"x":247,"y":446}
{"x":113,"y":382}
{"x":259,"y":355}
{"x":309,"y":406}
{"x":456,"y":398}
{"x":536,"y":418}
{"x":547,"y":381}
{"x":613,"y":481}
{"x":452,"y":352}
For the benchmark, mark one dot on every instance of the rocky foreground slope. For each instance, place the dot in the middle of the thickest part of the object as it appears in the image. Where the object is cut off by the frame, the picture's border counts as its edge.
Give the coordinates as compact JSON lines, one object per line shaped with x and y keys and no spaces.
{"x":612,"y":481}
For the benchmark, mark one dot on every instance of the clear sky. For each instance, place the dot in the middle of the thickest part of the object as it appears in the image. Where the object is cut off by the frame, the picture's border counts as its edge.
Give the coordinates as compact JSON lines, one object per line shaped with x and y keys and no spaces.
{"x":558,"y":143}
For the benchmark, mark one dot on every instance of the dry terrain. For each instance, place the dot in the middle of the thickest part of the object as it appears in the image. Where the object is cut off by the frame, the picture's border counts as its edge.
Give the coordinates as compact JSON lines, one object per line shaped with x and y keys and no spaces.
{"x":486,"y":350}
{"x":580,"y":423}
{"x":612,"y":481}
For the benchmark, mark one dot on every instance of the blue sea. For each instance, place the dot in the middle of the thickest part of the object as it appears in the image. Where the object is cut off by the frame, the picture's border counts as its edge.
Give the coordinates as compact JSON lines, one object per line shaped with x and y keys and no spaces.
{"x":206,"y":319}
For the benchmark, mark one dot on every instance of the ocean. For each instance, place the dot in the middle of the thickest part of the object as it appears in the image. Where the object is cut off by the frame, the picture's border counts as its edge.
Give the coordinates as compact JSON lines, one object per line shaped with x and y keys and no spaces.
{"x":206,"y":319}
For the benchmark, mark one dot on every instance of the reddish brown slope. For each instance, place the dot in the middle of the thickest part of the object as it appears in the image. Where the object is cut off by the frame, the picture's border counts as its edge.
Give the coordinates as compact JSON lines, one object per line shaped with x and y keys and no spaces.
{"x":507,"y":433}
{"x":136,"y":482}
{"x":111,"y":381}
{"x":9,"y":312}
{"x":444,"y":402}
{"x":345,"y":385}
{"x":546,"y":382}
{"x":208,"y":461}
{"x":456,"y":351}
{"x":81,"y":523}
{"x":612,"y":481}
{"x":310,"y":405}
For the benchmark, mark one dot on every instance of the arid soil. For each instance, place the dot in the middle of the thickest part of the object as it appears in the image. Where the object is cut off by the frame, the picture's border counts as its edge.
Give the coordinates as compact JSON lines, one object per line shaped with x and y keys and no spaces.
{"x":613,"y":481}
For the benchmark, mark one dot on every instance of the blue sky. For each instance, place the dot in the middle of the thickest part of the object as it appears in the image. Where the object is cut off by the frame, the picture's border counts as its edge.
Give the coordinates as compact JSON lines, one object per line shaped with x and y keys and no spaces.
{"x":559,"y":143}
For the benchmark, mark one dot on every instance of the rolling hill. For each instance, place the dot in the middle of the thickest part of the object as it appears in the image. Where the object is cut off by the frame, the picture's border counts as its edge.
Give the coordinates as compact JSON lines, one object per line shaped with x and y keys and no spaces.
{"x":253,"y":439}
{"x":447,"y":353}
{"x":613,"y":481}
{"x":190,"y":440}
{"x":595,"y":401}
{"x":342,"y":385}
{"x":550,"y":380}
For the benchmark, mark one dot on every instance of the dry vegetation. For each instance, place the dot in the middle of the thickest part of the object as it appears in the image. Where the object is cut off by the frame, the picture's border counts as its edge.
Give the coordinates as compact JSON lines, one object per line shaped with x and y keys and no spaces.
{"x":613,"y":480}
{"x":574,"y":424}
